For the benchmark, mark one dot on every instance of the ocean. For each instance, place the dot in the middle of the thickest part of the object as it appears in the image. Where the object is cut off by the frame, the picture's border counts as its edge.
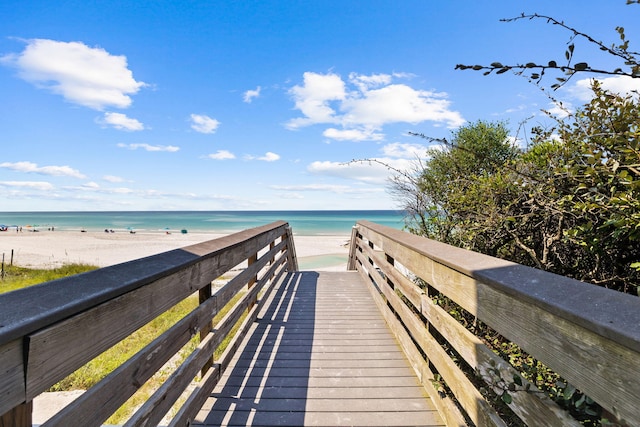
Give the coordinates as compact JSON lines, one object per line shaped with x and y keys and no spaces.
{"x":308,"y":223}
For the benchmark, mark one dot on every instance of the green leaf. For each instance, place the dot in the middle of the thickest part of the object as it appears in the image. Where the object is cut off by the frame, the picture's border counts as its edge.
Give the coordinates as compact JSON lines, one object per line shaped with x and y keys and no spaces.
{"x":506,"y":398}
{"x":568,"y":392}
{"x":581,"y":66}
{"x":517,"y":379}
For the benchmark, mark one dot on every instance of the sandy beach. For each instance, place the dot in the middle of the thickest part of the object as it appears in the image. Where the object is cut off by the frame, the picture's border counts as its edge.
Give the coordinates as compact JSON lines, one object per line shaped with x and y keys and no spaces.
{"x":50,"y":249}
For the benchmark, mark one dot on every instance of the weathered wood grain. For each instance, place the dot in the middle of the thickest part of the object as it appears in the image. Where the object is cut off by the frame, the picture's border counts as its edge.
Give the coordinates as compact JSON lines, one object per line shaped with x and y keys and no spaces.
{"x":587,"y":334}
{"x":12,"y":388}
{"x":476,"y":406}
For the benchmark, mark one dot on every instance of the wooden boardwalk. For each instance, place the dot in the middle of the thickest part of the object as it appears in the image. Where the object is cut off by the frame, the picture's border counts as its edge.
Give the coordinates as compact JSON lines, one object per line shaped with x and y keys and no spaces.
{"x":319,"y":354}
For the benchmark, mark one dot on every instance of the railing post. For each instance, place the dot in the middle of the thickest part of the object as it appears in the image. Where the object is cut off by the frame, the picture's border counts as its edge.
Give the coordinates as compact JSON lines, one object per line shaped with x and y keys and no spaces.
{"x":273,"y":258}
{"x":352,"y":249}
{"x":292,"y":259}
{"x":252,"y":281}
{"x":203,"y":295}
{"x":20,"y":416}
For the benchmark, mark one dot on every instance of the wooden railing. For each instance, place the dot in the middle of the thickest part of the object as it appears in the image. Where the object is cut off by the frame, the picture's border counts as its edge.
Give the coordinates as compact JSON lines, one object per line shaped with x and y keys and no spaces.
{"x":50,"y":330}
{"x":587,"y":334}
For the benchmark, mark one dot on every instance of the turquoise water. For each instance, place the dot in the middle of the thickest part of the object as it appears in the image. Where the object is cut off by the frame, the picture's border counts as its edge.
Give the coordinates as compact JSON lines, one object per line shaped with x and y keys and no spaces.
{"x":223,"y":222}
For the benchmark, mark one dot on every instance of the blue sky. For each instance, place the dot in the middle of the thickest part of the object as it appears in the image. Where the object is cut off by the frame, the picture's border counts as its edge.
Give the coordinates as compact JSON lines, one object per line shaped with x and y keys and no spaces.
{"x":260,"y":105}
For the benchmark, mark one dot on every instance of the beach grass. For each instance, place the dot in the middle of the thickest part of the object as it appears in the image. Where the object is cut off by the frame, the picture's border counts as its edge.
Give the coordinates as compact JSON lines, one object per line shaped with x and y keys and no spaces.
{"x":14,"y":277}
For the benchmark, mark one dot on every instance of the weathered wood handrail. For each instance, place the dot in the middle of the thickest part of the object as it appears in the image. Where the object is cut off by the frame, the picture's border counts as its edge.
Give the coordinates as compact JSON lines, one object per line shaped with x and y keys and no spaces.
{"x":50,"y":330}
{"x":587,"y":334}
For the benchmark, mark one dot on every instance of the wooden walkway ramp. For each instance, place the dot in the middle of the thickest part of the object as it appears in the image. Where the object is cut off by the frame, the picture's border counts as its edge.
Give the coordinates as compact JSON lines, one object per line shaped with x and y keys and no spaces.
{"x":319,"y":354}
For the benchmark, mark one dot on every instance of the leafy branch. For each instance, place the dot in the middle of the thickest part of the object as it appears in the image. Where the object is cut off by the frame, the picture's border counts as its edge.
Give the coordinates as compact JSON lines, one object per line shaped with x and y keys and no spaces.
{"x":536,"y":71}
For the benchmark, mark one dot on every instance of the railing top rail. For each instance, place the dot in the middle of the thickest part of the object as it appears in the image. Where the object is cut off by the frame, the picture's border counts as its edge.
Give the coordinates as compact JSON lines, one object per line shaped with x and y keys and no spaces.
{"x":609,"y":313}
{"x":29,"y":309}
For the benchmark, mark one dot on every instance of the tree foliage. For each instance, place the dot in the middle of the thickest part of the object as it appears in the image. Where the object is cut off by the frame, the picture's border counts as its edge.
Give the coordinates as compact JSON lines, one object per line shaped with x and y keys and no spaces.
{"x":568,"y":203}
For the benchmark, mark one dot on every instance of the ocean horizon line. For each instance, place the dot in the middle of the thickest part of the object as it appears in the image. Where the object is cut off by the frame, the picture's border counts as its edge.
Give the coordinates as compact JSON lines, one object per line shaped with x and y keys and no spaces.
{"x":303,"y":222}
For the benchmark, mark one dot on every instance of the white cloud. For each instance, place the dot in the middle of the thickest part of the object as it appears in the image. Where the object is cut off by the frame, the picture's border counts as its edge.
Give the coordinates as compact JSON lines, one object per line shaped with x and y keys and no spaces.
{"x":91,"y":185}
{"x":312,"y":187}
{"x":29,"y":167}
{"x":619,"y":84}
{"x":353,"y":134}
{"x":250,"y":94}
{"x":399,"y":103}
{"x":268,"y":157}
{"x":112,"y":178}
{"x":560,"y":110}
{"x":204,"y":124}
{"x":222,"y":155}
{"x":332,"y":188}
{"x":121,"y":122}
{"x":371,"y":103}
{"x":291,"y":195}
{"x":35,"y":185}
{"x":365,"y":83}
{"x":404,"y":151}
{"x":147,"y":147}
{"x":313,"y":98}
{"x":83,"y":75}
{"x":374,"y":171}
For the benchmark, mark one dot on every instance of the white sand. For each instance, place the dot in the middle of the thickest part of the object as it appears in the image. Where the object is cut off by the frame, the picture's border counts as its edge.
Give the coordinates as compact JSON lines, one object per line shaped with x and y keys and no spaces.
{"x":50,"y":249}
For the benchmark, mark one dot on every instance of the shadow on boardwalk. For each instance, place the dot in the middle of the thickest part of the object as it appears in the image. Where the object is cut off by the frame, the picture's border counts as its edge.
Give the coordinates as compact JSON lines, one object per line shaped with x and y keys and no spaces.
{"x":321,"y":354}
{"x":256,"y":391}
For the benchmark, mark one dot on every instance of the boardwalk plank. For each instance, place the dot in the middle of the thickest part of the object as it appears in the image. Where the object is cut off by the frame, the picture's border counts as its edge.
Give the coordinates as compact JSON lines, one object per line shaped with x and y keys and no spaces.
{"x":320,"y":355}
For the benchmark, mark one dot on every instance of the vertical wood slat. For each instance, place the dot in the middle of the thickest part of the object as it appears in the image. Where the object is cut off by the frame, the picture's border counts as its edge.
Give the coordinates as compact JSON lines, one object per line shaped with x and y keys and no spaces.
{"x":203,"y":295}
{"x":292,"y":259}
{"x":19,"y":416}
{"x":12,"y":384}
{"x":252,"y":260}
